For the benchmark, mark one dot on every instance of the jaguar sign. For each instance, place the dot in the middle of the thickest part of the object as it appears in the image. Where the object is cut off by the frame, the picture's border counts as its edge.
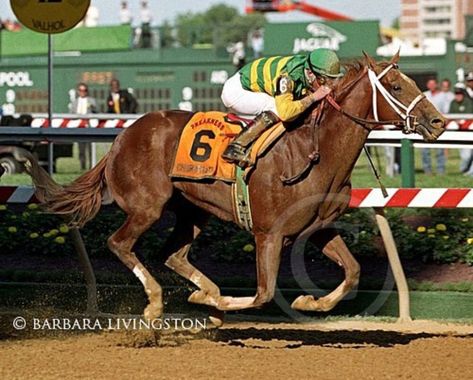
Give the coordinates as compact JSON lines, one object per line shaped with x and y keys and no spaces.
{"x":347,"y":38}
{"x":322,"y":36}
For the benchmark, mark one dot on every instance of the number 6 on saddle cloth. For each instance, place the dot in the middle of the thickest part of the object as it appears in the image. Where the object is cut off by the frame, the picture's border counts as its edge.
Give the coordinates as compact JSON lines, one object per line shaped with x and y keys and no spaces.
{"x":203,"y":140}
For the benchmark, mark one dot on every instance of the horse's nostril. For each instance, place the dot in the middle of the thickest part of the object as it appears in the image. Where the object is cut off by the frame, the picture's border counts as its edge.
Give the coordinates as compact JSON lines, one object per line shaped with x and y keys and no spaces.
{"x":437,"y":122}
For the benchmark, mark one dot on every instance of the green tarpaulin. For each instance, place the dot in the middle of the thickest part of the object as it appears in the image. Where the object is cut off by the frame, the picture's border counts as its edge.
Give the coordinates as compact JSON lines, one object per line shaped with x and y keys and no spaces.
{"x":27,"y":42}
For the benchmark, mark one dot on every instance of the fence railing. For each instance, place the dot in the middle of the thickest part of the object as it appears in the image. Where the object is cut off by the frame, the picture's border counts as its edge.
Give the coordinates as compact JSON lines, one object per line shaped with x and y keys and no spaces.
{"x":105,"y":127}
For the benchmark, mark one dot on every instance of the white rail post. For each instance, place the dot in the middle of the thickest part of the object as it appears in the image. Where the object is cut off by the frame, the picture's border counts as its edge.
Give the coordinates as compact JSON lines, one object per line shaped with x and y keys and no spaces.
{"x":396,"y":266}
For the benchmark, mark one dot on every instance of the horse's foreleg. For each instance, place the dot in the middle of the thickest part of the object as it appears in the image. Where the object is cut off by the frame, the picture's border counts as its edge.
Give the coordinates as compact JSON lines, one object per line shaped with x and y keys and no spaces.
{"x":121,"y":243}
{"x":189,"y":223}
{"x":268,"y":258}
{"x":209,"y":292}
{"x":335,"y":249}
{"x":179,"y":263}
{"x":176,"y":250}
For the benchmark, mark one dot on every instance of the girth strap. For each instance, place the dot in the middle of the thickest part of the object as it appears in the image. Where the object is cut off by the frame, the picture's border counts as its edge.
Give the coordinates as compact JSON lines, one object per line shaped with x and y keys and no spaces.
{"x":241,"y":200}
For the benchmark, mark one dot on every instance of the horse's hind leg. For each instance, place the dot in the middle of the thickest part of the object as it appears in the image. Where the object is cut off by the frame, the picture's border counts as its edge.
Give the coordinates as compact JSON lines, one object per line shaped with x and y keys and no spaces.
{"x":121,"y":243}
{"x":335,"y":248}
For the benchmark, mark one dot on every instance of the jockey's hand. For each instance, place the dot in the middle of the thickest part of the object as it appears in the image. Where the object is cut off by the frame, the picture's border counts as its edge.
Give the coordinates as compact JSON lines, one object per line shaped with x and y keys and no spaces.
{"x":321,"y":93}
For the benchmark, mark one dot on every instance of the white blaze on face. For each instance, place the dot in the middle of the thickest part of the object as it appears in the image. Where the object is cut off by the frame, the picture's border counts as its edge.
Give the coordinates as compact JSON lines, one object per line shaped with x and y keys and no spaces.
{"x":139,"y":273}
{"x":406,"y":78}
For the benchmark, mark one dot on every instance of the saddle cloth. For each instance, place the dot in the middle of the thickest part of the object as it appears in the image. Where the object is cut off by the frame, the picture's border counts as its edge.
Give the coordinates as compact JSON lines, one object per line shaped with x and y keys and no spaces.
{"x":202,"y":142}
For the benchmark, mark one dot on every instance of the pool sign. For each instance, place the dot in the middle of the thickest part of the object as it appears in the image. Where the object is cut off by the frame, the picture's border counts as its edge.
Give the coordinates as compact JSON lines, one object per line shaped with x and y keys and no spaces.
{"x":50,"y":16}
{"x":15,"y":79}
{"x":322,"y":36}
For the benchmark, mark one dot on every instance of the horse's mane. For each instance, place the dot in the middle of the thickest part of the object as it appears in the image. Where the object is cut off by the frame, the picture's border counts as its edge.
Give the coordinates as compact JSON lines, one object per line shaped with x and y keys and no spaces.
{"x":352,"y":71}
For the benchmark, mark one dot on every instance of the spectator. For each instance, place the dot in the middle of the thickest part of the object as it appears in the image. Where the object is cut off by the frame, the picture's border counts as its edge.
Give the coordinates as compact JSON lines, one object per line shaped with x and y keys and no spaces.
{"x":125,"y":14}
{"x":445,"y":88}
{"x":186,"y":103}
{"x":437,"y":98}
{"x":83,"y":104}
{"x":461,"y":104}
{"x":11,"y":26}
{"x":92,"y":17}
{"x":119,"y":100}
{"x":257,"y":43}
{"x":469,"y":85}
{"x":146,"y":19}
{"x":239,"y":54}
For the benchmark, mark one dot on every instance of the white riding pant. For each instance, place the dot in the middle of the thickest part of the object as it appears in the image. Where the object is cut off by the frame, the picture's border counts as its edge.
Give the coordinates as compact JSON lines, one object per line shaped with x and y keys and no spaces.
{"x":244,"y":102}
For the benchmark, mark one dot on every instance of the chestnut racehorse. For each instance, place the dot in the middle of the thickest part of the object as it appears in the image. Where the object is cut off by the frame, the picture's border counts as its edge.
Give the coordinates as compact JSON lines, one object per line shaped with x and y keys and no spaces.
{"x":135,"y":174}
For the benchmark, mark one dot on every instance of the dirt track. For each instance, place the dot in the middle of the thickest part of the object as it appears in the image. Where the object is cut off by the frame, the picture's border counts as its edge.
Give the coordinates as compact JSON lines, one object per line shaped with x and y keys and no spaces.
{"x":337,"y":350}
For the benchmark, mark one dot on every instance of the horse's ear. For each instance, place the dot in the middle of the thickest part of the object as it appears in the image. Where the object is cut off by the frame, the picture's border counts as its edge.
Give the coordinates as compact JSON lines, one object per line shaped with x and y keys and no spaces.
{"x":370,"y":60}
{"x":395,"y":58}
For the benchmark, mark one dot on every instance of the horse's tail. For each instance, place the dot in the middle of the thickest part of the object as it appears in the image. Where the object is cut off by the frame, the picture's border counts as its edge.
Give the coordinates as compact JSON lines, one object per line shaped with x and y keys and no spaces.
{"x":79,"y":201}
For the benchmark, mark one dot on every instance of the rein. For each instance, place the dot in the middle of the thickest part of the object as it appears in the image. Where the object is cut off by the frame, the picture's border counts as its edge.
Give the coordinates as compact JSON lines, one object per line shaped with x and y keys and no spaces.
{"x":359,"y":120}
{"x":314,"y":156}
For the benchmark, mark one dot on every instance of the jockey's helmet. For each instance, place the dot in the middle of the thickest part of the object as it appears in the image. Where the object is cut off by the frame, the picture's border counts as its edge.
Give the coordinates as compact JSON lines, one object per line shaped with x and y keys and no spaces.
{"x":325,"y":62}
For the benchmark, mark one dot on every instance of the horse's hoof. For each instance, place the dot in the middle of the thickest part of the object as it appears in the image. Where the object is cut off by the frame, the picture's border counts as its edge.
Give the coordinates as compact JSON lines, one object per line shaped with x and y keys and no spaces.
{"x":216,"y":317}
{"x":202,"y":298}
{"x":302,"y":302}
{"x":309,"y":303}
{"x":227,"y":303}
{"x":153,"y":311}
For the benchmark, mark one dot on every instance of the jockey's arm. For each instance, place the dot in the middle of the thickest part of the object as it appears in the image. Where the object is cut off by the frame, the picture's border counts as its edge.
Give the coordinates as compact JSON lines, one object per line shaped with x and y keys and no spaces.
{"x":288,"y":108}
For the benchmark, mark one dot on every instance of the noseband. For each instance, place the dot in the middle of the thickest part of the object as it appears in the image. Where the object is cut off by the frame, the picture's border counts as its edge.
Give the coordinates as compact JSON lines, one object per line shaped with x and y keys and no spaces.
{"x":408,"y":121}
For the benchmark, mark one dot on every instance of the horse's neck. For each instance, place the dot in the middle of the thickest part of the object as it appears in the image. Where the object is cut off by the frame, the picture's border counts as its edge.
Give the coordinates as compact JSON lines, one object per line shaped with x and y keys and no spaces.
{"x":340,"y":140}
{"x":345,"y":137}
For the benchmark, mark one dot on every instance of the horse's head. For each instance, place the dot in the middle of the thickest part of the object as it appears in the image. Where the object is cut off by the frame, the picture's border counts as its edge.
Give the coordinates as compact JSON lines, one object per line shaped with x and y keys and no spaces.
{"x":397,"y":97}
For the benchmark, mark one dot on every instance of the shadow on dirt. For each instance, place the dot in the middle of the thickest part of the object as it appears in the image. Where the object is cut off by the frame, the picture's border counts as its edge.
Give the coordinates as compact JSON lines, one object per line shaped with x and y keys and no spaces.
{"x":296,"y":338}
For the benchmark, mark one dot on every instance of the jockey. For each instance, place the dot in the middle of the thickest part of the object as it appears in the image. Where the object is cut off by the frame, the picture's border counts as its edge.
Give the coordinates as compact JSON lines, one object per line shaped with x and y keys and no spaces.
{"x":276,"y":88}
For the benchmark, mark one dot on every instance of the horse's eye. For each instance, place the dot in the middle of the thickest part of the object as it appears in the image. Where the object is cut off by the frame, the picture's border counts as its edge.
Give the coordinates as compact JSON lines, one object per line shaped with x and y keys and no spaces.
{"x":396,"y":88}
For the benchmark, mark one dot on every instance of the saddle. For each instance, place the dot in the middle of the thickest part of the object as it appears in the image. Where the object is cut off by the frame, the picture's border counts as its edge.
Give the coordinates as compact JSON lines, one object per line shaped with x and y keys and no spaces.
{"x":243,"y":122}
{"x":203,"y":140}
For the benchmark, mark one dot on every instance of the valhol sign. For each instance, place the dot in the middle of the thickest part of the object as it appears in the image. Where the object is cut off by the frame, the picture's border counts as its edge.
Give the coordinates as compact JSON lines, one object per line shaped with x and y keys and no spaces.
{"x":348,"y":39}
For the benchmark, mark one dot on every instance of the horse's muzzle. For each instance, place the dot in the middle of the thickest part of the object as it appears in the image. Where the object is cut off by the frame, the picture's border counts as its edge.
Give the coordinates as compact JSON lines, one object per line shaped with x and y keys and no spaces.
{"x":437,"y":126}
{"x":432,"y":130}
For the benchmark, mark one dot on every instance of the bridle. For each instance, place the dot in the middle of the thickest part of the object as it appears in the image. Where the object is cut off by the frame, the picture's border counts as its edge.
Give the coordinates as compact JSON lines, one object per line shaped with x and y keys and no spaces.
{"x":408,"y":121}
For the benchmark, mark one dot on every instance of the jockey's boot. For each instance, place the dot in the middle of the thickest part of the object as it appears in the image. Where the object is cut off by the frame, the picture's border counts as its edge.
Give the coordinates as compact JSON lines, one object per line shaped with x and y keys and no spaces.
{"x":237,"y":149}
